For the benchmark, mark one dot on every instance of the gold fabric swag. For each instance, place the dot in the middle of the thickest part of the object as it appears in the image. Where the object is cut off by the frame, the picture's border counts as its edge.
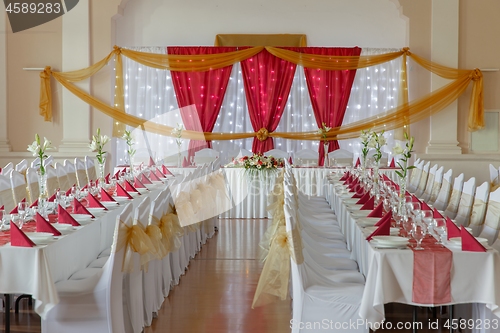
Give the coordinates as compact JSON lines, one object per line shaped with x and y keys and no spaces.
{"x":404,"y":114}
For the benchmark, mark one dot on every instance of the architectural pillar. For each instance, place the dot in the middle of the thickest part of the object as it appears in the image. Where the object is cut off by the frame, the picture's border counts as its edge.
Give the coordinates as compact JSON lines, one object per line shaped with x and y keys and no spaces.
{"x":4,"y":139}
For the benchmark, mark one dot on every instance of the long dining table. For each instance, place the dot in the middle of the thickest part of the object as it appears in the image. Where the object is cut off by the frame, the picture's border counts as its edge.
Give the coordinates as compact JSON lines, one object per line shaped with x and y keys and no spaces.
{"x":390,"y":273}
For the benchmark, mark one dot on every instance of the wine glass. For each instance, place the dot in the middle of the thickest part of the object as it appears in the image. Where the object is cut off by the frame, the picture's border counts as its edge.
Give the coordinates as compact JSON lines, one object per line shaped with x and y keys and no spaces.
{"x":21,"y":210}
{"x":17,"y":220}
{"x":427,"y":217}
{"x":2,"y":218}
{"x":439,"y":227}
{"x":418,"y":233}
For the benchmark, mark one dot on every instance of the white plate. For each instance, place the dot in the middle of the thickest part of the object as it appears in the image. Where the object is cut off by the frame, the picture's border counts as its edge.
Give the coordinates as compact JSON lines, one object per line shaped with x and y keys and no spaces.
{"x":458,"y":241}
{"x":82,"y":217}
{"x":150,"y":186}
{"x":142,"y":190}
{"x":134,"y":194}
{"x":96,"y":210}
{"x":62,"y":226}
{"x":368,"y":221}
{"x":394,"y":231}
{"x":40,"y":237}
{"x":121,"y":199}
{"x":391,"y":240}
{"x":157,"y":182}
{"x":361,"y":213}
{"x":389,"y":246}
{"x":110,"y":204}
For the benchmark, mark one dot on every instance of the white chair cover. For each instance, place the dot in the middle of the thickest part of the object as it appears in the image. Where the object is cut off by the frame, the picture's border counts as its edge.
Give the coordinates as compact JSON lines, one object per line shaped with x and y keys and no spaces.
{"x":90,"y":167}
{"x":81,"y":172}
{"x":32,"y":185}
{"x":443,"y":197}
{"x":479,"y":208}
{"x":456,"y":193}
{"x":9,"y":166}
{"x":434,"y":186}
{"x":492,"y":219}
{"x":466,"y":201}
{"x":70,"y":172}
{"x":18,"y":183}
{"x":62,"y":177}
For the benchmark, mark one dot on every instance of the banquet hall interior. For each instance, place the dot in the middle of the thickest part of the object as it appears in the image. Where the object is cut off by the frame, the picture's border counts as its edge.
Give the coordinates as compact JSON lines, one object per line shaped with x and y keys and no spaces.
{"x":239,"y":248}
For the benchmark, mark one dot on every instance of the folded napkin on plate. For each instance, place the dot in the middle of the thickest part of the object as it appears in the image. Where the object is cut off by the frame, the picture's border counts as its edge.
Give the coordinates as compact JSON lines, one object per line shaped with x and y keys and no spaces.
{"x":151,"y":162}
{"x":105,"y":196}
{"x":85,"y":187}
{"x":117,"y":175}
{"x":2,"y":208}
{"x":436,"y":214}
{"x":19,"y":238}
{"x":345,"y":176}
{"x":165,"y":171}
{"x":68,"y":192}
{"x":42,"y":225}
{"x":34,"y":204}
{"x":154,"y":177}
{"x":138,"y":183}
{"x":106,"y":179}
{"x":363,"y":199}
{"x":353,"y":186}
{"x":415,"y":199}
{"x":358,"y":163}
{"x":385,"y":178}
{"x":120,"y":192}
{"x":359,"y":193}
{"x":144,"y":179}
{"x":470,"y":243}
{"x":377,"y":211}
{"x":453,"y":230}
{"x":387,"y":216}
{"x":349,"y":180}
{"x":425,"y":206}
{"x":64,"y":217}
{"x":94,"y":202}
{"x":369,"y":204}
{"x":52,"y":198}
{"x":392,"y":164}
{"x":384,"y":229}
{"x":185,"y":162}
{"x":78,"y":208}
{"x":158,"y":173}
{"x":129,"y":187}
{"x":290,"y":160}
{"x":14,"y":210}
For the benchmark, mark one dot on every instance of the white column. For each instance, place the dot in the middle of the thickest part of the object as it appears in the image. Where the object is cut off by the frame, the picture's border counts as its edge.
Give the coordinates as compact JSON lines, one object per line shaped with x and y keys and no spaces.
{"x":4,"y":139}
{"x":444,"y":46}
{"x":75,"y":55}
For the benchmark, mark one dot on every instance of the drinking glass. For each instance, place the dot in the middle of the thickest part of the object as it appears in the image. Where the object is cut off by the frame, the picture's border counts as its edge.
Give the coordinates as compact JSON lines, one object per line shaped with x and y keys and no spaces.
{"x":427,"y":217}
{"x":22,"y":207}
{"x":17,"y":220}
{"x":439,"y":227}
{"x":2,"y":218}
{"x":418,"y":233}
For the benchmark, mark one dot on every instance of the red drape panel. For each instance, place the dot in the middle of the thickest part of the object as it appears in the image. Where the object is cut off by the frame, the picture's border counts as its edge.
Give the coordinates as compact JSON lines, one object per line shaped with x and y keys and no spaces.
{"x":204,"y":90}
{"x":267,"y":81}
{"x":329,"y":91}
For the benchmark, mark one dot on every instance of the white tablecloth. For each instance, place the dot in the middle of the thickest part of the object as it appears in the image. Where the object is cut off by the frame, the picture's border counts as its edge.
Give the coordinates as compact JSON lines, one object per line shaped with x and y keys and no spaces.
{"x":34,"y":271}
{"x":475,"y":276}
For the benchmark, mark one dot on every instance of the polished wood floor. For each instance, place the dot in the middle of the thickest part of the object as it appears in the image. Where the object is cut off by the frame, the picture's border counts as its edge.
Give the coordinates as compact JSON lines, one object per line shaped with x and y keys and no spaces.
{"x":216,"y":293}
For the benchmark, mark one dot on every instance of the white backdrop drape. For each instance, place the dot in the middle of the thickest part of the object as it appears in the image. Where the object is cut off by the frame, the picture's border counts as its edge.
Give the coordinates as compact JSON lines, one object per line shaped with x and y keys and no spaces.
{"x":149,"y":94}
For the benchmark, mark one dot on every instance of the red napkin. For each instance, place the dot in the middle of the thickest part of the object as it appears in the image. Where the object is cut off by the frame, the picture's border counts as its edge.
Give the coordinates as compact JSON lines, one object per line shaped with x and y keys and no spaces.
{"x":129,"y":187}
{"x":105,"y":196}
{"x":107,"y":178}
{"x":369,"y":204}
{"x":384,"y":229}
{"x":144,"y":179}
{"x":348,"y":181}
{"x":68,"y":192}
{"x":52,"y":198}
{"x":359,"y":193}
{"x":154,"y":177}
{"x":117,"y":175}
{"x":353,"y":185}
{"x":34,"y":204}
{"x":64,"y":217}
{"x":345,"y":176}
{"x":378,"y":211}
{"x":85,"y":187}
{"x":415,"y":199}
{"x":363,"y":199}
{"x":470,"y":243}
{"x":14,"y":211}
{"x":138,"y":183}
{"x":2,"y":208}
{"x":78,"y":208}
{"x":436,"y":214}
{"x":94,"y":203}
{"x":387,"y":216}
{"x":165,"y":171}
{"x":358,"y":163}
{"x":158,"y":173}
{"x":151,"y":162}
{"x":290,"y":160}
{"x":393,"y":164}
{"x":19,"y":238}
{"x":453,"y":230}
{"x":185,"y":162}
{"x":42,"y":225}
{"x":120,"y":192}
{"x":424,"y":206}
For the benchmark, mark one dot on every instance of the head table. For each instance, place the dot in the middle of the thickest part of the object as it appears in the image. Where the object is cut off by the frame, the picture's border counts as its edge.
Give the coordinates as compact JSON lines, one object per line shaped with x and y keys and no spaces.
{"x":390,"y":273}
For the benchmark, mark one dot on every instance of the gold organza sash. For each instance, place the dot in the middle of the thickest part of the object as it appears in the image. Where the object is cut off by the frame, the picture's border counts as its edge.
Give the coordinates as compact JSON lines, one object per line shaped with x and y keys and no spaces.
{"x":133,"y":239}
{"x":52,"y":185}
{"x":478,"y":213}
{"x":454,"y":201}
{"x":33,"y":191}
{"x":91,"y":173}
{"x":154,"y":233}
{"x":423,"y":180}
{"x":465,"y":205}
{"x":19,"y":193}
{"x":494,"y":184}
{"x":7,"y":199}
{"x":493,"y":215}
{"x":82,"y":178}
{"x":430,"y":184}
{"x":414,"y":176}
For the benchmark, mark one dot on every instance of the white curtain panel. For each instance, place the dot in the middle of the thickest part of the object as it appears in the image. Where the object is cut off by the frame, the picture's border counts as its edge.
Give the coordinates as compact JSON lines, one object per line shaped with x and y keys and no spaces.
{"x":149,"y":94}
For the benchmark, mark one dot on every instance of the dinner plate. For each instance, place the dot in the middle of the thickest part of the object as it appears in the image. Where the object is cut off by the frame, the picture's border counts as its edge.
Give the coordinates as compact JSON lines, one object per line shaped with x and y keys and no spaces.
{"x":62,"y":226}
{"x":82,"y":217}
{"x":40,"y":237}
{"x":350,"y":201}
{"x":389,"y":246}
{"x":134,"y":194}
{"x":150,"y":186}
{"x":157,"y":182}
{"x":360,"y":213}
{"x":142,"y":190}
{"x":110,"y":204}
{"x":121,"y":199}
{"x":458,"y":241}
{"x":391,"y":240}
{"x":96,"y":211}
{"x":394,"y":231}
{"x":367,"y":221}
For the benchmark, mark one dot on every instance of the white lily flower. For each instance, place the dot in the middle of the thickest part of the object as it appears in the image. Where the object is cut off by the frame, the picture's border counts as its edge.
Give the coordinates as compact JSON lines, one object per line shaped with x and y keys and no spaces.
{"x":34,"y":148}
{"x":397,"y":149}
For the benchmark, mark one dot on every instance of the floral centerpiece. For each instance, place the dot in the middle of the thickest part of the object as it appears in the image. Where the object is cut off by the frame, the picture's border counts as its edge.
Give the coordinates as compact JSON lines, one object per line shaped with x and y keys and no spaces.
{"x":177,"y":133}
{"x":323,"y":131}
{"x":257,"y":163}
{"x":403,"y":165}
{"x":97,"y":145}
{"x":129,"y":139}
{"x":365,"y":140}
{"x":39,"y":150}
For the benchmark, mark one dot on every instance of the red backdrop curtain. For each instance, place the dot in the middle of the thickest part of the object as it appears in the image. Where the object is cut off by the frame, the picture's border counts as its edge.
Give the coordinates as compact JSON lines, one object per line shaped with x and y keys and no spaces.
{"x":204,"y":90}
{"x":329,"y":91}
{"x":267,"y":80}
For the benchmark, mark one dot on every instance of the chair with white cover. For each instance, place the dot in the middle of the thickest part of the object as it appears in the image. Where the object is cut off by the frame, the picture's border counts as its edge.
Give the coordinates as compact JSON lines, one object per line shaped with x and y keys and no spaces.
{"x":6,"y":197}
{"x":18,"y":183}
{"x":306,"y":157}
{"x":62,"y":177}
{"x":81,"y":173}
{"x":70,"y":172}
{"x":479,"y":208}
{"x":423,"y":178}
{"x":341,"y":156}
{"x":36,"y":163}
{"x":433,"y":185}
{"x":466,"y":200}
{"x":52,"y":180}
{"x":32,"y":186}
{"x":494,"y":172}
{"x":452,"y":207}
{"x":443,"y":196}
{"x":94,"y":304}
{"x":416,"y":173}
{"x":22,"y":166}
{"x":49,"y":161}
{"x":492,"y":219}
{"x":244,"y":152}
{"x":9,"y":166}
{"x":205,"y":156}
{"x":90,"y":168}
{"x":426,"y":181}
{"x":277,"y":153}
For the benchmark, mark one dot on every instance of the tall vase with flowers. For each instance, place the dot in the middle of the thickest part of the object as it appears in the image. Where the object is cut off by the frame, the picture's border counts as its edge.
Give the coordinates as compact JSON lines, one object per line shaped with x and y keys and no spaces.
{"x":377,"y":141}
{"x":403,"y":169}
{"x":39,"y":150}
{"x":129,"y":139}
{"x":97,"y":145}
{"x":323,"y":131}
{"x":177,"y":133}
{"x":365,"y":140}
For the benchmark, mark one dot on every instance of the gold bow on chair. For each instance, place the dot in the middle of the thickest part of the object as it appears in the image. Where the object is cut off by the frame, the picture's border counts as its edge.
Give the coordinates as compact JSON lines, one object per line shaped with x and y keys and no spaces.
{"x":133,"y":239}
{"x":155,"y":235}
{"x":262,"y":134}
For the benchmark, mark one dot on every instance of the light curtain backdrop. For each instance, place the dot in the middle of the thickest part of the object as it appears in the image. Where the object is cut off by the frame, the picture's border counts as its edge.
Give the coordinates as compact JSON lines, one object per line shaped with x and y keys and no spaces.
{"x":149,"y":94}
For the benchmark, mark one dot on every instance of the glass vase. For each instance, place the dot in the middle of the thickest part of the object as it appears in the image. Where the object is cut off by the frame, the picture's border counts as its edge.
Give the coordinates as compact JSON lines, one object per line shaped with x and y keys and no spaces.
{"x":131,"y":164}
{"x":376,"y":178}
{"x":325,"y":160}
{"x":401,"y":197}
{"x":43,"y":194}
{"x":179,"y":157}
{"x":101,"y":165}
